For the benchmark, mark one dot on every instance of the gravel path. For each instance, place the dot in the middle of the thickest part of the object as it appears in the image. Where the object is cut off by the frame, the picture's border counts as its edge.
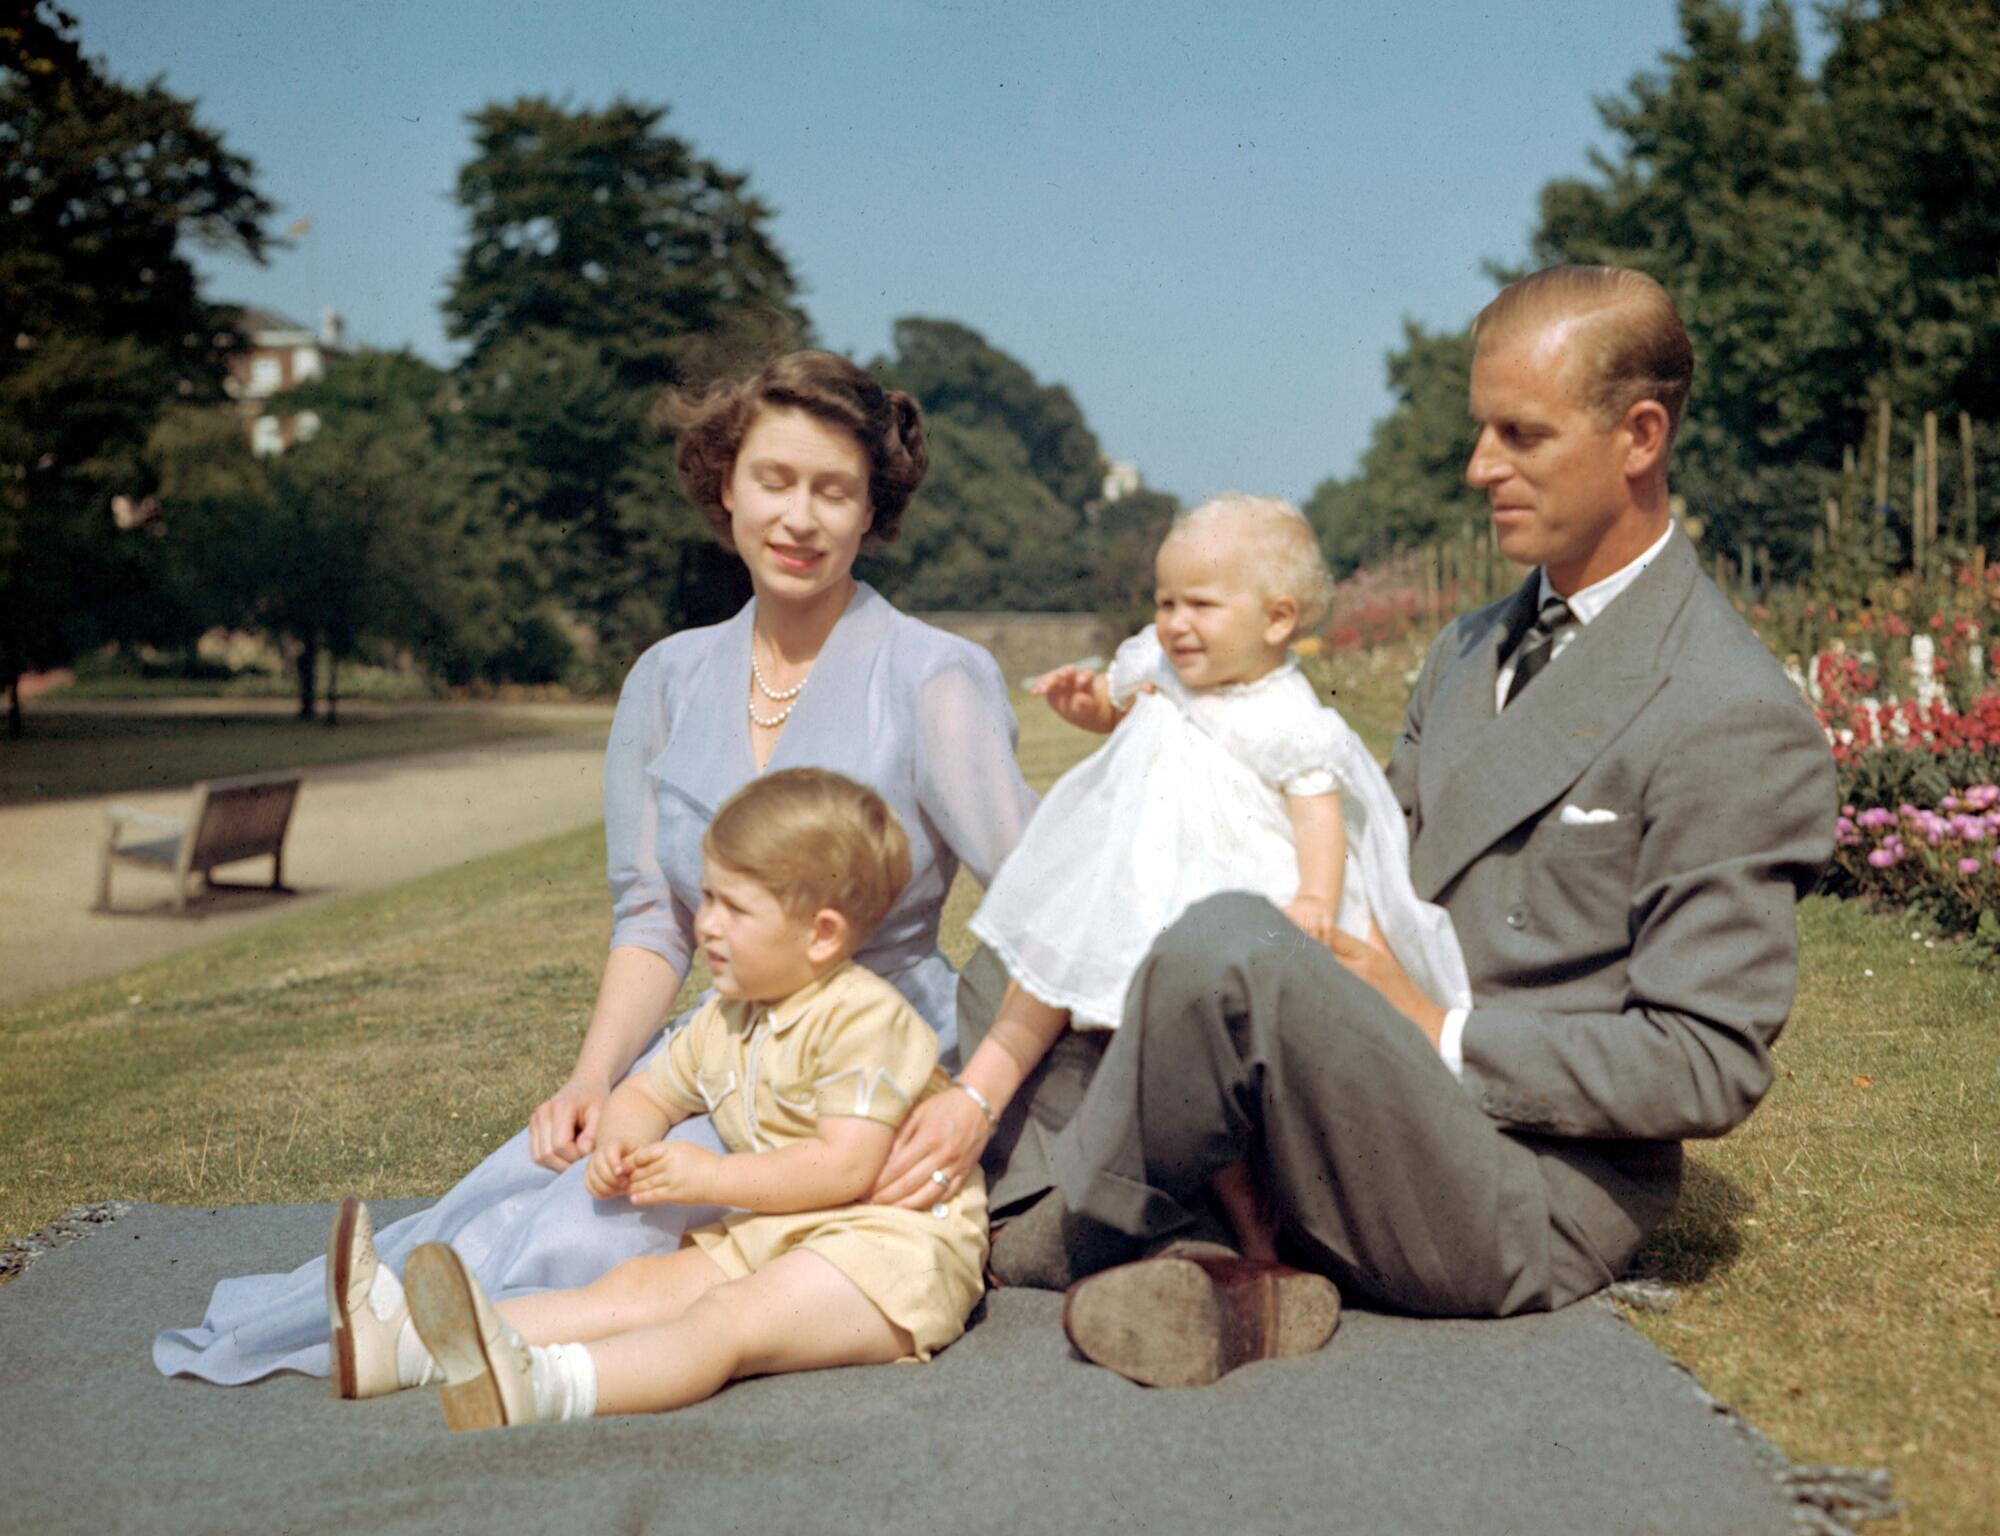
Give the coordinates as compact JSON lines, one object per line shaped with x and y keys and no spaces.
{"x":357,"y":827}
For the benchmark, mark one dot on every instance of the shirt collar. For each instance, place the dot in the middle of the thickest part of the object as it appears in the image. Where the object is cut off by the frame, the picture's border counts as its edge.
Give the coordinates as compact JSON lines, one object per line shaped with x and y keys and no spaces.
{"x":1592,"y":600}
{"x":785,"y":1011}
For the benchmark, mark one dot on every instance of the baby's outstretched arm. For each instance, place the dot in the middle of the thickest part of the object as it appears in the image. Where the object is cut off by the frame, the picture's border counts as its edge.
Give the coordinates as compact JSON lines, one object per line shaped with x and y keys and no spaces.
{"x":1080,"y":696}
{"x":634,"y":1116}
{"x":1320,"y":832}
{"x":834,"y":1168}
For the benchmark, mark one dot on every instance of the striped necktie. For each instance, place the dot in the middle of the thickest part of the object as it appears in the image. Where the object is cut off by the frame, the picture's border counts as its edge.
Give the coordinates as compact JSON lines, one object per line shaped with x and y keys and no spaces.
{"x":1538,"y":643}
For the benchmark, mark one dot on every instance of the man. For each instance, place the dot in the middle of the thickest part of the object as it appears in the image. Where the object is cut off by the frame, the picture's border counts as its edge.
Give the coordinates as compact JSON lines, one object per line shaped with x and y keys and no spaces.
{"x":1618,"y":797}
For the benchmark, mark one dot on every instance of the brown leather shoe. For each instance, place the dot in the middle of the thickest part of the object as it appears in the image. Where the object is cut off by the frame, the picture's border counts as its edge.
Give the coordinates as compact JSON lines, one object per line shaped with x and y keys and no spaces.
{"x":1187,"y":1320}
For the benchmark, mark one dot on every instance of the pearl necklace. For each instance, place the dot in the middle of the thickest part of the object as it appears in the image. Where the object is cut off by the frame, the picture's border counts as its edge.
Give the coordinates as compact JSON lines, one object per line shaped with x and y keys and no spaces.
{"x":792,"y":693}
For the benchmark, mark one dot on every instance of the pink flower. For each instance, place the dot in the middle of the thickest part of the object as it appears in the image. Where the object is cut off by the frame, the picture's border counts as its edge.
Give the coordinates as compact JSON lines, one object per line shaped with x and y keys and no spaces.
{"x":1968,"y":866}
{"x":1881,"y":858}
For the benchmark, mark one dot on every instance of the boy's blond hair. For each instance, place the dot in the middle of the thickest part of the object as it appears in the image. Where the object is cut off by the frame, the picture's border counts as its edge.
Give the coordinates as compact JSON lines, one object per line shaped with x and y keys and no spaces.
{"x":1284,"y":550}
{"x":814,"y":839}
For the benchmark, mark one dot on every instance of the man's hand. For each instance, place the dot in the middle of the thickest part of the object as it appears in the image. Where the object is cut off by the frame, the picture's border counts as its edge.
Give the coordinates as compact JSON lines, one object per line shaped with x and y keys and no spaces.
{"x":1313,"y":916}
{"x":677,"y":1172}
{"x":1080,"y":696}
{"x":1379,"y":969}
{"x":609,"y":1170}
{"x":563,"y":1127}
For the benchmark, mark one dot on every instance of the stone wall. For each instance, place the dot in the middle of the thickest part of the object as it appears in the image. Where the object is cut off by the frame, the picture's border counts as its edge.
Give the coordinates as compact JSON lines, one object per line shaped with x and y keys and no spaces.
{"x":1029,"y":644}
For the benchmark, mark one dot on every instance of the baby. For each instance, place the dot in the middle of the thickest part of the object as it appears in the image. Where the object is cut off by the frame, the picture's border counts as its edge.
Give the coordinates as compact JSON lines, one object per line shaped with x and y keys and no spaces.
{"x":807,"y":1063}
{"x":1224,"y":772}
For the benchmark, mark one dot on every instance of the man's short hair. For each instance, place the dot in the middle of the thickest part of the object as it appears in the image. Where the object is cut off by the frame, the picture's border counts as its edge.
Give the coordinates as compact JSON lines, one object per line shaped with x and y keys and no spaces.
{"x":814,"y":839}
{"x":1631,"y":343}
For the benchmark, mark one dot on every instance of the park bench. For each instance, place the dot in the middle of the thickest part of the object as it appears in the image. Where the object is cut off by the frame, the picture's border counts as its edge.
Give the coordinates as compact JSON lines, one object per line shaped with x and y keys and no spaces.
{"x":236,"y":818}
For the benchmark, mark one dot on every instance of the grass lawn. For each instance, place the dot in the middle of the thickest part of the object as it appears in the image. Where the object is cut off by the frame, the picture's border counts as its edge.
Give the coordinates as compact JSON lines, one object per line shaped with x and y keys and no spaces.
{"x":1838,"y":1259}
{"x":66,"y":752}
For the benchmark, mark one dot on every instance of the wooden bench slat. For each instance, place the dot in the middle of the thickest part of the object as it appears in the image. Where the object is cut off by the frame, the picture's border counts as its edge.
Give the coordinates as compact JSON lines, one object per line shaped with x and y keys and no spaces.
{"x":243,"y":817}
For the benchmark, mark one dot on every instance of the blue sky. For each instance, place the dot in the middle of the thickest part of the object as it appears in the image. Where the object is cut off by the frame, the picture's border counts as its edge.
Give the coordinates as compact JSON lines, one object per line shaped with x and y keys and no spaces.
{"x":1208,"y":221}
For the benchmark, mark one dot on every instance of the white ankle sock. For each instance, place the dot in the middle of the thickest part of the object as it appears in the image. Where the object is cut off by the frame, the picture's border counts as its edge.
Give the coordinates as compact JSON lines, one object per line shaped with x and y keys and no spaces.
{"x":565,"y":1381}
{"x":385,"y":1293}
{"x":415,"y":1365}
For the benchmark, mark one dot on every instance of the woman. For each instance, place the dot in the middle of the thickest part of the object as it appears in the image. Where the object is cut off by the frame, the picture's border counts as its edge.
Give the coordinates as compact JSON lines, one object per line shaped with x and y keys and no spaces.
{"x":793,"y":468}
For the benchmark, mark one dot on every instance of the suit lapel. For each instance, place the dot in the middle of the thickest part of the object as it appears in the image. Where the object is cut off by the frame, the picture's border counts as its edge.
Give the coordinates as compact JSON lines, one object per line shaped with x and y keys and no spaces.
{"x":1495,"y":771}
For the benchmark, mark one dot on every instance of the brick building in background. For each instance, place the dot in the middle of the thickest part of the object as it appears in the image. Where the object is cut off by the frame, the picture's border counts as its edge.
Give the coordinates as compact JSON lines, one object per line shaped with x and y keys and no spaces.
{"x":279,"y":354}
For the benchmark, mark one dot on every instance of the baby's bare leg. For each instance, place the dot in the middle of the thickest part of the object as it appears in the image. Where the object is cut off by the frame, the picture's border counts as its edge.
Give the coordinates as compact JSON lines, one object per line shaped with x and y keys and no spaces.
{"x":799,"y":1313}
{"x":637,"y":1294}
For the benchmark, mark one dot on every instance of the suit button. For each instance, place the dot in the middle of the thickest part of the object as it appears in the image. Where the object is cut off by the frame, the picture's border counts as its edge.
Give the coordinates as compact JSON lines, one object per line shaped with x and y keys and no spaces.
{"x":1518,"y":918}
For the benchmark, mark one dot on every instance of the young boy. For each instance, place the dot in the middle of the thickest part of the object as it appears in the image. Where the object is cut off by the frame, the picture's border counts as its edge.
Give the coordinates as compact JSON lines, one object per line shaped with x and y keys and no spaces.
{"x":808,"y":1063}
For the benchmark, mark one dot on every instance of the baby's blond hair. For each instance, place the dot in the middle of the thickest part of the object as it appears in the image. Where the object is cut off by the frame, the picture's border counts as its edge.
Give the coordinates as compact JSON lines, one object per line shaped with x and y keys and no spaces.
{"x":814,"y":839}
{"x":1284,"y":551}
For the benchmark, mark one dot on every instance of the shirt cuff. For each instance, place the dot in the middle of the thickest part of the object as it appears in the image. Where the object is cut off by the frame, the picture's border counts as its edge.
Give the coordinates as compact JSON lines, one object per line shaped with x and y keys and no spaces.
{"x":1451,"y":1040}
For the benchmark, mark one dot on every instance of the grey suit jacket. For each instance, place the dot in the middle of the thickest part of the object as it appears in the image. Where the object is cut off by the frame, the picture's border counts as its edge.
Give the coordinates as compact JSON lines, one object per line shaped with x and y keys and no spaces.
{"x":1628,"y":974}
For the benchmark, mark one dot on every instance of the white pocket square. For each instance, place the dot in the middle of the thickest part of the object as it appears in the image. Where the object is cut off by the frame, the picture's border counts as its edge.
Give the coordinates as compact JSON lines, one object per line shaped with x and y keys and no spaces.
{"x":1577,"y":816}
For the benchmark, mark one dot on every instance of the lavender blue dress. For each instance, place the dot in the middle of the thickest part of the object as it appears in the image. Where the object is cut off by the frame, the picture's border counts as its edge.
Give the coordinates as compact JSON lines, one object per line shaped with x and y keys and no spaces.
{"x":919,"y":715}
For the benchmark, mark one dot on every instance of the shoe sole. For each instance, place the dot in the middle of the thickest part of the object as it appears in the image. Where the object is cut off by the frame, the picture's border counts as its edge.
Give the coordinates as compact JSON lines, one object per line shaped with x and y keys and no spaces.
{"x":339,"y":1252}
{"x":447,"y":1320}
{"x":1183,"y":1322}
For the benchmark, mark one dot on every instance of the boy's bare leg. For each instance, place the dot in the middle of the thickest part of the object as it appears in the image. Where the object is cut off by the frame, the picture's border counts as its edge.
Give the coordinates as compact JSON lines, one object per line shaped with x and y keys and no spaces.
{"x":1236,"y":1191}
{"x":637,"y":1294}
{"x":799,"y":1313}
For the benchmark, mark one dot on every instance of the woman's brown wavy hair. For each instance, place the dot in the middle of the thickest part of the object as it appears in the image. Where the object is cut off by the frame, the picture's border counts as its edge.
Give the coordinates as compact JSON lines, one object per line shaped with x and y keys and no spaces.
{"x":712,"y":423}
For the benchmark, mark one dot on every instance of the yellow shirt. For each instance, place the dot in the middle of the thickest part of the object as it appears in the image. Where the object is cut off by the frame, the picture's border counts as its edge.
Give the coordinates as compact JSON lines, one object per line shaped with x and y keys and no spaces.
{"x":846,"y":1044}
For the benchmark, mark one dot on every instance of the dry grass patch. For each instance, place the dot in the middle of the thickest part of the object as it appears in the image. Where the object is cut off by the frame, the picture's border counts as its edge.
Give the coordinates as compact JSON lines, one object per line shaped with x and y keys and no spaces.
{"x":1840,"y":1254}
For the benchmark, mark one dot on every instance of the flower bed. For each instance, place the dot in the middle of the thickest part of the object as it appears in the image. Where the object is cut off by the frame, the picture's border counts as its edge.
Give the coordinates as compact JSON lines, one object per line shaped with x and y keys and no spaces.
{"x":1942,"y":863}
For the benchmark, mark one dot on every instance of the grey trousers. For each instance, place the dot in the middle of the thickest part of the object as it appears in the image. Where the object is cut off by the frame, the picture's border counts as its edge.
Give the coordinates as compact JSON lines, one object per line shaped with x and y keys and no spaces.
{"x":1243,"y":1039}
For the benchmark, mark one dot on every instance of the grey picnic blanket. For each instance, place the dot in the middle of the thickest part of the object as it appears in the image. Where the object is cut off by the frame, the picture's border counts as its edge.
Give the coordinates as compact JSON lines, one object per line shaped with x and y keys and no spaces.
{"x":1570,"y":1422}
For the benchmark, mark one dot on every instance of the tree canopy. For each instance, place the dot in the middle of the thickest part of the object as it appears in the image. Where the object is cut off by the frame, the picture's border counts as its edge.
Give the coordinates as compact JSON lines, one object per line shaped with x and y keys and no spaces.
{"x":101,"y":319}
{"x":606,"y":260}
{"x":1832,"y":241}
{"x":1005,"y":517}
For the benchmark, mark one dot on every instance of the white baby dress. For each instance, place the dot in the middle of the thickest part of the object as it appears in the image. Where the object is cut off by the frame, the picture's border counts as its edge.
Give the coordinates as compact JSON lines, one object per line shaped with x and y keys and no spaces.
{"x":1187,"y":799}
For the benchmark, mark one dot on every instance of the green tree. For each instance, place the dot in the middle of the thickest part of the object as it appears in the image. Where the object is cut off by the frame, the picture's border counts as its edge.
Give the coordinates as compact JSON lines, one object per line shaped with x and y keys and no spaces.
{"x":1724,"y":191}
{"x":1913,"y":96}
{"x":1004,"y":517}
{"x":1411,"y":486}
{"x":100,"y":185}
{"x":1129,"y":533}
{"x":606,"y":260}
{"x":955,"y":372}
{"x":354,"y":537}
{"x":1832,"y":242}
{"x":984,"y":533}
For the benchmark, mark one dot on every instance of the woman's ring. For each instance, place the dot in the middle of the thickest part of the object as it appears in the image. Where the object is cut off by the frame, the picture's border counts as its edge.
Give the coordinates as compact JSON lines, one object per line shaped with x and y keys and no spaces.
{"x":940,"y":1178}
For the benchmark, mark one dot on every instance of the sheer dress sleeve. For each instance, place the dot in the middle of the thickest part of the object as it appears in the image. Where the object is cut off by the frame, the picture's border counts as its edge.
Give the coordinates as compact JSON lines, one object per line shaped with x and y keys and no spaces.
{"x":967,"y":780}
{"x":644,"y":911}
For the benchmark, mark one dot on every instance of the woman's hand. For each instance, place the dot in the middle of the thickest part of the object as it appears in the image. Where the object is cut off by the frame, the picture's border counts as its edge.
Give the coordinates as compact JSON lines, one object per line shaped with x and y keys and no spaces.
{"x":946,"y":1132}
{"x":680,"y":1172}
{"x":563,"y":1127}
